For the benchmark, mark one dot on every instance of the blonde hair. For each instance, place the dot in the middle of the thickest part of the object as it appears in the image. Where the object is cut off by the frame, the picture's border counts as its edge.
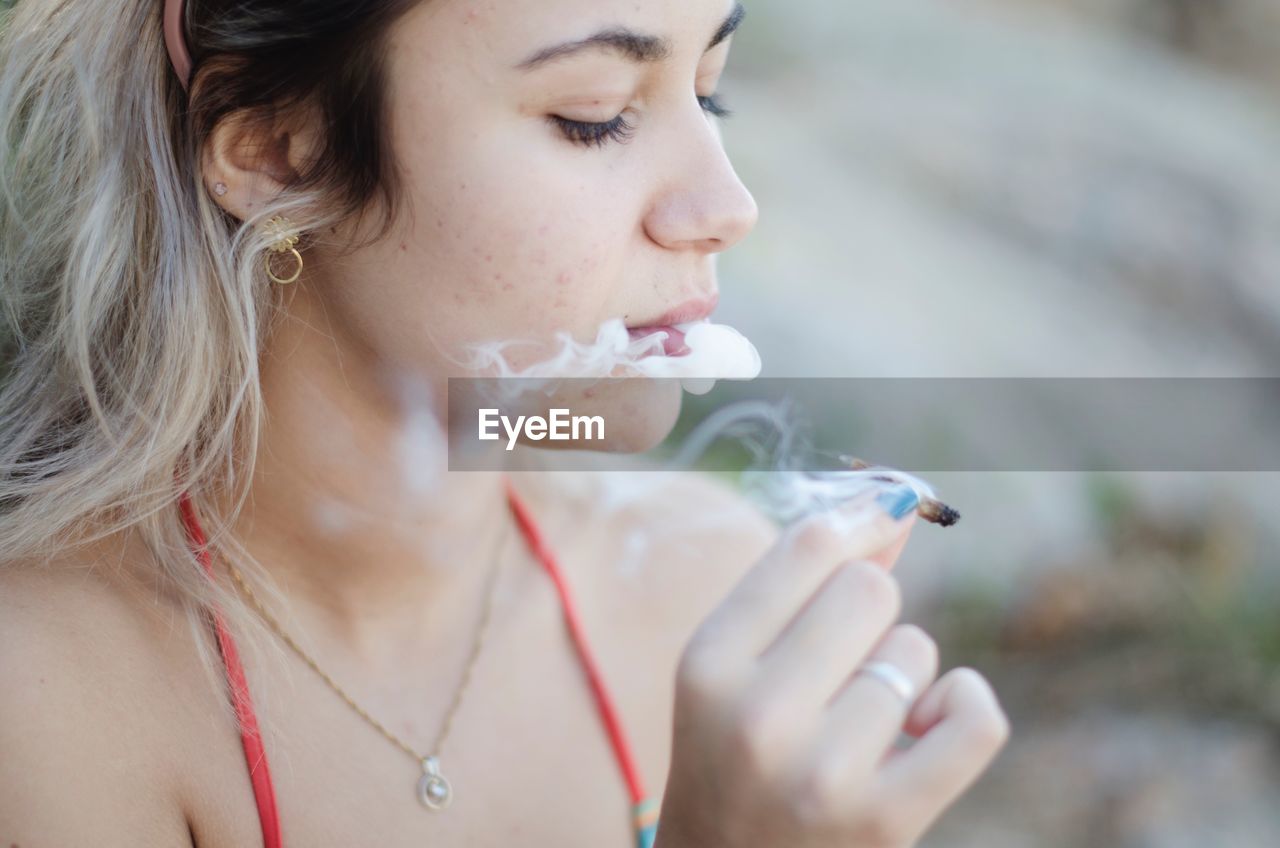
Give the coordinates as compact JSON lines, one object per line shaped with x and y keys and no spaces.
{"x":134,"y":308}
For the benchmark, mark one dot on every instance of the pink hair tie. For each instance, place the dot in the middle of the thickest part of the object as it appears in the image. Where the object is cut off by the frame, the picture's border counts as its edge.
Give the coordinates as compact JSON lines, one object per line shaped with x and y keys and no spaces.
{"x":175,"y":42}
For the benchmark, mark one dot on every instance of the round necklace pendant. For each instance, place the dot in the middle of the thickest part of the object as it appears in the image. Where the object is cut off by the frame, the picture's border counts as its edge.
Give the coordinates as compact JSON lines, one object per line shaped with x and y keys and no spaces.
{"x":433,"y":790}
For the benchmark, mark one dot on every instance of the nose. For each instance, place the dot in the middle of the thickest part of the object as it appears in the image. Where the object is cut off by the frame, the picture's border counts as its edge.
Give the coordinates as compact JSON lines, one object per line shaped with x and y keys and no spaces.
{"x":703,"y":205}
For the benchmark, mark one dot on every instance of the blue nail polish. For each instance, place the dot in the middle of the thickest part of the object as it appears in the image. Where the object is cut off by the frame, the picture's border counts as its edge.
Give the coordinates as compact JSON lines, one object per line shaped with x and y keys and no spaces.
{"x":898,"y":501}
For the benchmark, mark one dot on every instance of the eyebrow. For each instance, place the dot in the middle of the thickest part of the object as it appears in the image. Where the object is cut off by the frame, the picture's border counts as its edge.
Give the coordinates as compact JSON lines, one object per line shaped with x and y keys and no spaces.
{"x":638,"y":47}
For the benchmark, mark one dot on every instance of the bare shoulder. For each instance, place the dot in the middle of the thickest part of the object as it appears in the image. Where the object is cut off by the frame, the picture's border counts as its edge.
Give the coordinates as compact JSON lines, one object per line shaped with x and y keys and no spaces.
{"x":79,"y":722}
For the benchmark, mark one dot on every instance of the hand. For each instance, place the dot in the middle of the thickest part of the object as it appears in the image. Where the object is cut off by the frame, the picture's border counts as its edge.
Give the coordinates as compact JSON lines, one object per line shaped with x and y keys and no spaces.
{"x":777,"y":744}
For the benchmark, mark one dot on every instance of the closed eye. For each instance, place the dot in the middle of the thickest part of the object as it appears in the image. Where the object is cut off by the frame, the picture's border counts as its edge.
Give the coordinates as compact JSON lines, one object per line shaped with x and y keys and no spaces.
{"x":618,"y":129}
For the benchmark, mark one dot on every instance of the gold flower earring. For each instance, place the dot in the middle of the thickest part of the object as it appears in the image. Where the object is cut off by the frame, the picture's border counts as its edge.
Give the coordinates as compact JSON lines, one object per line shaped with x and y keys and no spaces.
{"x":283,"y":237}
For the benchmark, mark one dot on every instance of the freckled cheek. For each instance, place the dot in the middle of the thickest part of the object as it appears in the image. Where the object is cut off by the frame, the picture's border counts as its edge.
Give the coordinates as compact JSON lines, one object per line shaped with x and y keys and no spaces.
{"x":552,"y":264}
{"x":578,"y":285}
{"x":529,"y":262}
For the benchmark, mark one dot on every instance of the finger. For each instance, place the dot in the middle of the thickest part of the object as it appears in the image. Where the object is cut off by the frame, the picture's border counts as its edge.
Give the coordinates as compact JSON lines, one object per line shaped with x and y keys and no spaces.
{"x":772,"y":592}
{"x":832,"y":635}
{"x":865,"y":717}
{"x":888,"y":557}
{"x":963,"y":729}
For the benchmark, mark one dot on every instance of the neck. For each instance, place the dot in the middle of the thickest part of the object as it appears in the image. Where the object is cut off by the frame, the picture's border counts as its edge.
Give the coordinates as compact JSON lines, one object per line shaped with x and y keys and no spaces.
{"x":380,"y":553}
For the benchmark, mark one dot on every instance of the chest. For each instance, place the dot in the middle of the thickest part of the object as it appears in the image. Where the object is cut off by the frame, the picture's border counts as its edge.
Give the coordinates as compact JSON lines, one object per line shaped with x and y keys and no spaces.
{"x":528,"y":754}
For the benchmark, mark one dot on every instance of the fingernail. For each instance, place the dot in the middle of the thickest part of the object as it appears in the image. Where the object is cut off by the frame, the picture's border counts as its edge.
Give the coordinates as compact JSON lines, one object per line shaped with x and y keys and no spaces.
{"x":898,"y":501}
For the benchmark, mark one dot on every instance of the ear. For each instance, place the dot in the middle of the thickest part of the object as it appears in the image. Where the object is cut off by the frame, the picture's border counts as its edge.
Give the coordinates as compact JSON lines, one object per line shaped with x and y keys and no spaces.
{"x":255,"y":160}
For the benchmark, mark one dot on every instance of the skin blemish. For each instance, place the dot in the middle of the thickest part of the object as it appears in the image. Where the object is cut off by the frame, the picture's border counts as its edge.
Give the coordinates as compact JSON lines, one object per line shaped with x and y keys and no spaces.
{"x":563,"y":279}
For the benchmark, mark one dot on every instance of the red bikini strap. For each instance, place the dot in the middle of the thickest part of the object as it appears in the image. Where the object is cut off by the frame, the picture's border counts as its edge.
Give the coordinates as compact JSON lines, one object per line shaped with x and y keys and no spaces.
{"x":255,"y":754}
{"x":616,"y":732}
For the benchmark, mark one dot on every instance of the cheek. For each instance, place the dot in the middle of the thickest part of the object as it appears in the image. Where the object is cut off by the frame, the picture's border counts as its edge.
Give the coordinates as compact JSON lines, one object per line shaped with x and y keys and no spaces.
{"x":575,"y":283}
{"x":524,"y":259}
{"x":516,"y":229}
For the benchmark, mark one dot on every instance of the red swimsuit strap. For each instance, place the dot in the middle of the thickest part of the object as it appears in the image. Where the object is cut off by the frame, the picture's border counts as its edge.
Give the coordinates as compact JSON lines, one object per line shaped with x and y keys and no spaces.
{"x":254,"y":754}
{"x":604,"y":700}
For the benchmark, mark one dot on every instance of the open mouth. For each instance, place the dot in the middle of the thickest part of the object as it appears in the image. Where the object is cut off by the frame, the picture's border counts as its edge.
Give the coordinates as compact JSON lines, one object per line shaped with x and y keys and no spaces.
{"x":673,"y":343}
{"x":674,"y":323}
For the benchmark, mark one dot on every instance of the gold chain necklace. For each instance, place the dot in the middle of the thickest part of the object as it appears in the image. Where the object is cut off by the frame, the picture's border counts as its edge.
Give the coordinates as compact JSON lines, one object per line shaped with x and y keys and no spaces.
{"x":434,"y":791}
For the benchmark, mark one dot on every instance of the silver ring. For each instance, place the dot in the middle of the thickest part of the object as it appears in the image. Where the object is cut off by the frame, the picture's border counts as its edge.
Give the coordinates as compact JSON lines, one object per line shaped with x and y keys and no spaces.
{"x":893,"y":677}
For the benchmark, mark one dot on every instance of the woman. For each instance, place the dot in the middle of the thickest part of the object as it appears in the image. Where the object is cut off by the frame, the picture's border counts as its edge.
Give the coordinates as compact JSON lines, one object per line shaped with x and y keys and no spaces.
{"x":239,"y":262}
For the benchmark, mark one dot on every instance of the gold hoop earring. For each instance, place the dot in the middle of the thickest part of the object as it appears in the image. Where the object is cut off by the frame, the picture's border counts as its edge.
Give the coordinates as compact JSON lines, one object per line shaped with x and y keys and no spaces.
{"x":283,"y":237}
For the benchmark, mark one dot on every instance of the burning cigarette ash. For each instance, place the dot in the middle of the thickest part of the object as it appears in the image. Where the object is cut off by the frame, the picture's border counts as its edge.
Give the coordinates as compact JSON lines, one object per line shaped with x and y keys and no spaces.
{"x":930,"y":508}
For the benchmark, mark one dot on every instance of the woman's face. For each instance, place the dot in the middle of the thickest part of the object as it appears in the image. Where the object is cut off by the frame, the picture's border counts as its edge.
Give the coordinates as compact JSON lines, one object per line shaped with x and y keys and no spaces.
{"x":517,"y":228}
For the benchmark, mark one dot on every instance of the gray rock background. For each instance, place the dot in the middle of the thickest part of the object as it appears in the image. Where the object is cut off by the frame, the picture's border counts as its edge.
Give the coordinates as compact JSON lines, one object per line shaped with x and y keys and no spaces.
{"x":1086,"y":188}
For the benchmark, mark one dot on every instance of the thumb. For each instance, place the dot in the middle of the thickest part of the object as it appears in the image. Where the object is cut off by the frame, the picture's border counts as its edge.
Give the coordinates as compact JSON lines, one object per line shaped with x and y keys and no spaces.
{"x":887,"y":557}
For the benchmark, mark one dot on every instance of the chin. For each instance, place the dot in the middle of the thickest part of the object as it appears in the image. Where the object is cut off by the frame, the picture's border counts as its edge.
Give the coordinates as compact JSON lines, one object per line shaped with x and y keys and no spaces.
{"x":609,"y":415}
{"x":639,"y":413}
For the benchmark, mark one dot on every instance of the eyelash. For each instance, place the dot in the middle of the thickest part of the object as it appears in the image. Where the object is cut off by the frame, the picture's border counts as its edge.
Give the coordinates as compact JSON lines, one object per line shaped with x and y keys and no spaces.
{"x":618,"y":129}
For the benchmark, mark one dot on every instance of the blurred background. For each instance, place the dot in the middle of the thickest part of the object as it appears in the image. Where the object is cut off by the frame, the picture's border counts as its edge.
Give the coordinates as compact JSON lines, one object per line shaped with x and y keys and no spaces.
{"x":1067,"y":188}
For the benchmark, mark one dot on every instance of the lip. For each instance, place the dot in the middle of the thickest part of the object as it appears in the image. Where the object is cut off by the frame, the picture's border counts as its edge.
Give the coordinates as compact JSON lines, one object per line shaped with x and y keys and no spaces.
{"x":691,"y":310}
{"x":672,"y":345}
{"x":697,"y":309}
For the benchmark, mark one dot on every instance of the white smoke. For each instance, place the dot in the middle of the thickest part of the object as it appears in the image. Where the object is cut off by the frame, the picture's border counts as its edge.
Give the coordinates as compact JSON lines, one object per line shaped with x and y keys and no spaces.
{"x":781,"y":477}
{"x":787,"y":477}
{"x":716,"y":352}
